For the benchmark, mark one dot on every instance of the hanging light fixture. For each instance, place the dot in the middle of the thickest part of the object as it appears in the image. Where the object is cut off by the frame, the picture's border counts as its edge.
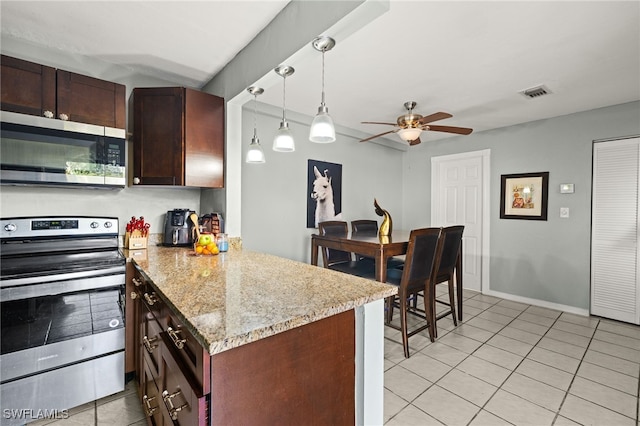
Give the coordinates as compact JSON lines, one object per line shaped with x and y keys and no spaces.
{"x":283,"y":141}
{"x":322,"y":129}
{"x":255,"y":153}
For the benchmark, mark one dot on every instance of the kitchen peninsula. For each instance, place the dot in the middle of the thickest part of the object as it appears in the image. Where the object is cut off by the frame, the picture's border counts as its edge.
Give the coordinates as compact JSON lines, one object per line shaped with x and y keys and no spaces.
{"x":250,"y":338}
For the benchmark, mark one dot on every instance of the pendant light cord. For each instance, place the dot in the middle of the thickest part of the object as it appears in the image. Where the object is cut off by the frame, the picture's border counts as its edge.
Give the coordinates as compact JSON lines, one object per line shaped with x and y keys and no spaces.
{"x":255,"y":113}
{"x":284,"y":97}
{"x":322,"y":100}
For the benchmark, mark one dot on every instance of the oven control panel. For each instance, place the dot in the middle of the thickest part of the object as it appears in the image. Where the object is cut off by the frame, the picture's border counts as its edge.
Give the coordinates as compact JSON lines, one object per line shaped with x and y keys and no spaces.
{"x":37,"y":225}
{"x":27,"y":227}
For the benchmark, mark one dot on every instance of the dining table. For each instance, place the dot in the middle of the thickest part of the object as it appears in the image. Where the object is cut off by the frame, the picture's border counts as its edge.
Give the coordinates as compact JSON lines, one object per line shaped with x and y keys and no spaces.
{"x":381,"y":248}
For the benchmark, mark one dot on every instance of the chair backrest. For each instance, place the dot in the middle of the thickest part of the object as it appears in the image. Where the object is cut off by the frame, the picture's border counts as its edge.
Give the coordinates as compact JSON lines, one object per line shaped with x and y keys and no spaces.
{"x":364,"y":225}
{"x":339,"y":228}
{"x":452,"y":237}
{"x":422,"y":259}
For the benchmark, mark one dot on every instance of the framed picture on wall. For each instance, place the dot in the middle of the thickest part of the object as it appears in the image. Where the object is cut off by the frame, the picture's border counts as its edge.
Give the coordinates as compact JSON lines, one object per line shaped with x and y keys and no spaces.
{"x":324,"y":189}
{"x":524,"y":196}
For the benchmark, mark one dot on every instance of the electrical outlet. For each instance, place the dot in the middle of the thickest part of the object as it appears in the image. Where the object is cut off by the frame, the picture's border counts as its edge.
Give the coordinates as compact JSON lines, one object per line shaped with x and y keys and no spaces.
{"x":564,"y":212}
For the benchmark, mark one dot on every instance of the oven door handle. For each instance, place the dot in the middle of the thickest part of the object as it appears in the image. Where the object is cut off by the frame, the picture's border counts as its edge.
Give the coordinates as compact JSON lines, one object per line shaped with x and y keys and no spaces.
{"x":59,"y":287}
{"x":11,"y":282}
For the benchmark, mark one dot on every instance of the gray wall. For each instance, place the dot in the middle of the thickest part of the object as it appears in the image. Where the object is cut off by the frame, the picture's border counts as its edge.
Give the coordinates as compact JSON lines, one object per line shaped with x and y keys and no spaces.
{"x":274,"y":194}
{"x":550,"y":260}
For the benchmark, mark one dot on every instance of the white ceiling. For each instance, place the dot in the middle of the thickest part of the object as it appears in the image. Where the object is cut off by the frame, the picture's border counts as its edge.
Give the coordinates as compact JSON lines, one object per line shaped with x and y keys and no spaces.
{"x":470,"y":59}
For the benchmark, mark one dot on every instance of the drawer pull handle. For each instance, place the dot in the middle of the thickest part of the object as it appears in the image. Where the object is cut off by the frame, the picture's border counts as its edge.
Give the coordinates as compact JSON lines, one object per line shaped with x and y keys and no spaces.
{"x":147,"y":405}
{"x":149,"y":343}
{"x":169,"y":403}
{"x":175,"y":338}
{"x":134,"y":295}
{"x":150,"y":298}
{"x":136,"y":282}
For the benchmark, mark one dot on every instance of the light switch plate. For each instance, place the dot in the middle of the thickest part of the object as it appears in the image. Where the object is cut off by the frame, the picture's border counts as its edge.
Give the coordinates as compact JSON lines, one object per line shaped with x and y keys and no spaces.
{"x":564,"y":212}
{"x":566,"y":188}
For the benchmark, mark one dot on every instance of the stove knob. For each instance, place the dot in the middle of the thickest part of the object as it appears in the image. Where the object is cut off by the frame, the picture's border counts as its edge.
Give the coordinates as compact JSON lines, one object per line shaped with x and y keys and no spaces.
{"x":94,"y":225}
{"x":10,"y":227}
{"x":108,"y":225}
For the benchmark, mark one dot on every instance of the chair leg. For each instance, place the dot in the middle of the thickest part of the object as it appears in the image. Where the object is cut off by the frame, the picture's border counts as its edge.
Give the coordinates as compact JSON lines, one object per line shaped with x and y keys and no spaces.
{"x":452,"y":301}
{"x":389,"y":309}
{"x":403,"y":328}
{"x":430,"y":310}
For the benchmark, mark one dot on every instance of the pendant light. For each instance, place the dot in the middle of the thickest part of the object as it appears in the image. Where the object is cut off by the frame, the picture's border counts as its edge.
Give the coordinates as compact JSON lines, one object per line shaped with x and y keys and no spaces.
{"x":283,"y":142}
{"x":255,"y":154}
{"x":322,"y":129}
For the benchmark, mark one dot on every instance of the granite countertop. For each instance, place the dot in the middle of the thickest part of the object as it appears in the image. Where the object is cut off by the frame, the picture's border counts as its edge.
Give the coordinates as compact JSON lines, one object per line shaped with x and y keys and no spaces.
{"x":241,"y":296}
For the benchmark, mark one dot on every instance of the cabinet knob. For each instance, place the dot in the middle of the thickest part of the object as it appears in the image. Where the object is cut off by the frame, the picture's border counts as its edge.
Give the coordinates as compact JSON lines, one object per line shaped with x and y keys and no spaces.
{"x":147,"y":405}
{"x":136,"y":282}
{"x":48,"y":114}
{"x":175,"y":338}
{"x":136,"y":180}
{"x":134,"y":295}
{"x":63,"y":117}
{"x":168,"y":401}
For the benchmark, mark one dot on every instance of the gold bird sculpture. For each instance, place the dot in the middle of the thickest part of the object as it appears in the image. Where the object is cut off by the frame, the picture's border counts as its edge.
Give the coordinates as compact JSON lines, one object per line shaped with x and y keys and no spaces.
{"x":387,"y":224}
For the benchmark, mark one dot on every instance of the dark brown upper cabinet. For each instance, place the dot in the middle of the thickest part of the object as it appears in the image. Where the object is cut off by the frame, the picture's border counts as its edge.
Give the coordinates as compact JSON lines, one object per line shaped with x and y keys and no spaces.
{"x":27,"y":87}
{"x":178,"y":137}
{"x":35,"y":89}
{"x":90,"y":100}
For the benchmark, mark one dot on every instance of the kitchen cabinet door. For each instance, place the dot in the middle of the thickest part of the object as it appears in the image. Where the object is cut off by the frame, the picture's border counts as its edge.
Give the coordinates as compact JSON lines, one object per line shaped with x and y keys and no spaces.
{"x":178,"y":137}
{"x":151,"y":399}
{"x":90,"y":100}
{"x":27,"y":87}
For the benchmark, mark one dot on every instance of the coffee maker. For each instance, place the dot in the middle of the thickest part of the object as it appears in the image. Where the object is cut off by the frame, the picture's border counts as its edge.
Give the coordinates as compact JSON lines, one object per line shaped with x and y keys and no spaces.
{"x":178,"y":228}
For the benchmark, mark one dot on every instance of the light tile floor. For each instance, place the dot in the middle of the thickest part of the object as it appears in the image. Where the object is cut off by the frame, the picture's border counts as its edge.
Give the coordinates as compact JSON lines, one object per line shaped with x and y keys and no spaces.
{"x":511,"y":363}
{"x":508,"y":363}
{"x":121,"y":409}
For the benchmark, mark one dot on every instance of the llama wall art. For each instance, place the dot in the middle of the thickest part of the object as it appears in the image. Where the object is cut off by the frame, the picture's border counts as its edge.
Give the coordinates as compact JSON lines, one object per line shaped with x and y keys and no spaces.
{"x":325,"y":193}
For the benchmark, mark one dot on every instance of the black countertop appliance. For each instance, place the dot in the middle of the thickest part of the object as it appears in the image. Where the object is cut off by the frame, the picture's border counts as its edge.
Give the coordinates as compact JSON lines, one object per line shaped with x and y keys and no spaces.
{"x":178,"y":228}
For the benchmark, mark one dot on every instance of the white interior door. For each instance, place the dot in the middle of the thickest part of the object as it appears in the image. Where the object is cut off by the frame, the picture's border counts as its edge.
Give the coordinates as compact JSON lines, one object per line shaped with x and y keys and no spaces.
{"x":615,"y":284}
{"x":458,"y":197}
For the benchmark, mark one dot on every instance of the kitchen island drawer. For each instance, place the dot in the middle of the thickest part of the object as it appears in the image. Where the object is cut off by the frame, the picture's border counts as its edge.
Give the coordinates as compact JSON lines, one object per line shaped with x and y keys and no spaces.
{"x":187,"y":351}
{"x":181,"y":393}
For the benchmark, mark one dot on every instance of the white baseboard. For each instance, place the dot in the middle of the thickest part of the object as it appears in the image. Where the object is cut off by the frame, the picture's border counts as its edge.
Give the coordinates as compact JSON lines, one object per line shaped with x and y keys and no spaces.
{"x":537,"y":302}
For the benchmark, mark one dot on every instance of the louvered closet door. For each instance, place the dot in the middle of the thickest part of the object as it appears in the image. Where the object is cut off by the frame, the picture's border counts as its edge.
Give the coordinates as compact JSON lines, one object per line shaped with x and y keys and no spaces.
{"x":615,"y":291}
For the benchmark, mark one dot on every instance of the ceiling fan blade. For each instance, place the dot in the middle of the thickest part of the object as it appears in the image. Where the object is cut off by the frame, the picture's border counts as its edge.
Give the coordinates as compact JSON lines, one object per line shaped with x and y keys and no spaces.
{"x":435,"y":117}
{"x":416,"y":141}
{"x":450,"y":129}
{"x":378,"y":135}
{"x":377,"y":122}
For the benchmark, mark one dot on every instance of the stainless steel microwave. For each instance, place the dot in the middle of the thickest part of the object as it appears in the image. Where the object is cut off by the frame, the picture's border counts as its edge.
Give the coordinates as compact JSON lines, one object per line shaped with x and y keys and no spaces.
{"x":44,"y":151}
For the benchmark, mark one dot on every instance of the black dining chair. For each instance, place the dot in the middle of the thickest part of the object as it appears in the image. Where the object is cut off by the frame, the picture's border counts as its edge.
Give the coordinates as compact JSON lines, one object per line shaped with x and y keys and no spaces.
{"x":340,"y":260}
{"x":370,"y":227}
{"x":421,"y":265}
{"x":452,"y":241}
{"x":364,"y":225}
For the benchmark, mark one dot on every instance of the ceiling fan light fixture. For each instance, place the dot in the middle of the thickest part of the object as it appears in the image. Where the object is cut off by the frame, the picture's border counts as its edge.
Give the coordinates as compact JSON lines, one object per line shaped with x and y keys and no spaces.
{"x":410,"y":133}
{"x":283,"y":141}
{"x":255,"y":154}
{"x":322,"y":128}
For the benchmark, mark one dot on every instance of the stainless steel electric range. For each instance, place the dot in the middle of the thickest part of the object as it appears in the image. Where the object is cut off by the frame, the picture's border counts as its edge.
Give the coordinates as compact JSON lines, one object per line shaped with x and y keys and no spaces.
{"x":62,"y":310}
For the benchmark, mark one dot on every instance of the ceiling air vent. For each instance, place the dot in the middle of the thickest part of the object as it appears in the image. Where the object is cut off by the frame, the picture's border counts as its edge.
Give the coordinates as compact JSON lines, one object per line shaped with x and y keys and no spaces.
{"x":536,"y":92}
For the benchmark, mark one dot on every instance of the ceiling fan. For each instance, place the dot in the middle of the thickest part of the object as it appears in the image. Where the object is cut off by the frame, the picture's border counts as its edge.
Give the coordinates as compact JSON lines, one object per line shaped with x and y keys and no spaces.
{"x":410,"y":125}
